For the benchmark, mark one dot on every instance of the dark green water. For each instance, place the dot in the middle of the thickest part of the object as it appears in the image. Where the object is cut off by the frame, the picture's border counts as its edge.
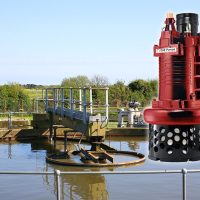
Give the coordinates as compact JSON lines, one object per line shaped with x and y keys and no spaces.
{"x":30,"y":156}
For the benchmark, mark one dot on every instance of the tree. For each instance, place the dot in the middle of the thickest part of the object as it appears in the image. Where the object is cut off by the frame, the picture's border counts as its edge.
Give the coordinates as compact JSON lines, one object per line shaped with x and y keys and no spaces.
{"x":14,"y":98}
{"x":99,"y":81}
{"x":154,"y":86}
{"x":76,"y":82}
{"x":3,"y":99}
{"x":119,"y":92}
{"x":146,"y":90}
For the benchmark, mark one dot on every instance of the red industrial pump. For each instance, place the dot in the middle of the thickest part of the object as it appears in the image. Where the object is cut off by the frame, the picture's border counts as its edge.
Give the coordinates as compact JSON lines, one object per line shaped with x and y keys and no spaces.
{"x":174,"y":119}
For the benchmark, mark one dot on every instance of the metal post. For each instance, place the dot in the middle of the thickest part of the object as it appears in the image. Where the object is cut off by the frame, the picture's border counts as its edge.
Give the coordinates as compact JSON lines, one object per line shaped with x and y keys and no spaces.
{"x":57,"y":173}
{"x":62,"y":102}
{"x":51,"y":126}
{"x":65,"y":141}
{"x":57,"y":97}
{"x":54,"y":136}
{"x":54,"y":100}
{"x":36,"y":101}
{"x":84,"y":105}
{"x":71,"y":101}
{"x":42,"y":94}
{"x":131,"y":114}
{"x":120,"y":118}
{"x":80,"y":99}
{"x":184,"y":172}
{"x":34,"y":105}
{"x":91,"y":100}
{"x":107,"y":105}
{"x":9,"y":120}
{"x":46,"y":108}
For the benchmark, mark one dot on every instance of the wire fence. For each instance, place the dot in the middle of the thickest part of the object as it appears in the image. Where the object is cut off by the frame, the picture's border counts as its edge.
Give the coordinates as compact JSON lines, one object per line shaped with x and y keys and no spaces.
{"x":58,"y":174}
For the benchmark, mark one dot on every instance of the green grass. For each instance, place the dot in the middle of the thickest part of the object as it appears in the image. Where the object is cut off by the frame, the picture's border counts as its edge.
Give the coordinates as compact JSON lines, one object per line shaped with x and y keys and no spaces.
{"x":16,"y":117}
{"x":33,"y":93}
{"x":112,"y":125}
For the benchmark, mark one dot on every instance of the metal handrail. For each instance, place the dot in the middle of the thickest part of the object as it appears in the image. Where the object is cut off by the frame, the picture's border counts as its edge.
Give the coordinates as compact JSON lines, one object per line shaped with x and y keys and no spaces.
{"x":59,"y":173}
{"x":57,"y":96}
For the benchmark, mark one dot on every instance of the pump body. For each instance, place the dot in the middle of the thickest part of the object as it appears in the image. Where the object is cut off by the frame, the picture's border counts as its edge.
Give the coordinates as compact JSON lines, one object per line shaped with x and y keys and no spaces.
{"x":174,"y":118}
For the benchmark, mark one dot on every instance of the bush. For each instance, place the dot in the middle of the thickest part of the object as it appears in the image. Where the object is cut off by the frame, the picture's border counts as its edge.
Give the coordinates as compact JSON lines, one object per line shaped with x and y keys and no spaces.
{"x":14,"y":98}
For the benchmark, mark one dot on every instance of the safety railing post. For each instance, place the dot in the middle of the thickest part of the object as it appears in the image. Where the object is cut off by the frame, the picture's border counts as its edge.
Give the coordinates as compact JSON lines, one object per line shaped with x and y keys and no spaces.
{"x":107,"y":105}
{"x":36,"y":101}
{"x":84,"y":105}
{"x":80,"y":99}
{"x":57,"y":97}
{"x":10,"y":120}
{"x":62,"y":102}
{"x":91,"y":111}
{"x":57,"y":173}
{"x":54,"y":100}
{"x":71,"y":101}
{"x":42,"y":94}
{"x":184,"y":172}
{"x":46,"y":105}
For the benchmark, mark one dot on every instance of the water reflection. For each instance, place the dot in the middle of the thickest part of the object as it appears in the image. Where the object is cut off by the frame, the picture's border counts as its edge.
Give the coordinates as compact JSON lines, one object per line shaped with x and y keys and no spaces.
{"x":78,"y":186}
{"x":81,"y":186}
{"x":74,"y":187}
{"x":84,"y":187}
{"x":126,"y":143}
{"x":9,"y":151}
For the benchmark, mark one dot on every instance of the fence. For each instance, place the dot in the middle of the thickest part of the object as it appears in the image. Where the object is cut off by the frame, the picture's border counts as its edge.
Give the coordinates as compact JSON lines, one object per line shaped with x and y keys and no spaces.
{"x":59,"y":173}
{"x":14,"y":119}
{"x":63,"y":101}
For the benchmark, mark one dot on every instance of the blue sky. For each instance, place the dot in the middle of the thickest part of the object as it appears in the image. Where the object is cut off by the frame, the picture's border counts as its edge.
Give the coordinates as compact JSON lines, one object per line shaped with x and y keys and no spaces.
{"x":44,"y":41}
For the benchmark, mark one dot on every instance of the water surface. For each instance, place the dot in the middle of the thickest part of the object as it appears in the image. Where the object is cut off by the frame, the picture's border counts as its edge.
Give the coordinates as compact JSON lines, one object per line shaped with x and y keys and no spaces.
{"x":30,"y":156}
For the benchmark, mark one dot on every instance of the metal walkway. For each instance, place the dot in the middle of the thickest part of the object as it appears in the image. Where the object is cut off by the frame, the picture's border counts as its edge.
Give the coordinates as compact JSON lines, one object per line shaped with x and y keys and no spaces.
{"x":75,"y":103}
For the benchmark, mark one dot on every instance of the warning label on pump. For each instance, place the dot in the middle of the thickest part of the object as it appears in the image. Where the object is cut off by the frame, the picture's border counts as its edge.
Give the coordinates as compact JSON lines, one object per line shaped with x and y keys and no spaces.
{"x":167,"y":50}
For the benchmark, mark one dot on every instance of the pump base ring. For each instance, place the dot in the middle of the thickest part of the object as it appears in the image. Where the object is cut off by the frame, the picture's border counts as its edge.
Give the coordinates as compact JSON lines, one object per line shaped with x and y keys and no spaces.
{"x":172,"y":117}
